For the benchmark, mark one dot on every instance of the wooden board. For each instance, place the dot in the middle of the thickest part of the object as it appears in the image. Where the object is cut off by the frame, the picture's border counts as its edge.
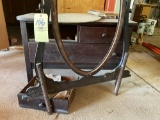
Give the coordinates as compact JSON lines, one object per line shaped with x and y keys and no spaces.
{"x":77,"y":18}
{"x":80,"y":6}
{"x":4,"y":43}
{"x":60,"y":6}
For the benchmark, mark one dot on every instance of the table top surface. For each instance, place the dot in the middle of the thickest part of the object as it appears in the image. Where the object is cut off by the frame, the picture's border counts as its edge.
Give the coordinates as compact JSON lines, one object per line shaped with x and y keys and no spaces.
{"x":73,"y":18}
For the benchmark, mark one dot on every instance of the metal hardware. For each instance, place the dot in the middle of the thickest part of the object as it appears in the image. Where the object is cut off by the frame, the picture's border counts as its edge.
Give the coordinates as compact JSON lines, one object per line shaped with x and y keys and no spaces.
{"x":104,"y":34}
{"x":42,"y":105}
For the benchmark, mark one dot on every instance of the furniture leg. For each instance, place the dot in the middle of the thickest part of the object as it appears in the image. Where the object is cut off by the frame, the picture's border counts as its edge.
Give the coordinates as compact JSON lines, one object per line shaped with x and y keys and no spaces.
{"x":44,"y":88}
{"x":119,"y":79}
{"x":26,"y":50}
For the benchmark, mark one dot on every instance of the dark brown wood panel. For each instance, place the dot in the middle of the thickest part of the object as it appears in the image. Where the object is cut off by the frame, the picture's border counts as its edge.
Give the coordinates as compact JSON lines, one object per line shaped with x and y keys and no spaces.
{"x":7,"y":11}
{"x":96,"y":34}
{"x":13,"y":8}
{"x":17,"y":8}
{"x":79,"y":53}
{"x":85,"y":52}
{"x":31,"y":5}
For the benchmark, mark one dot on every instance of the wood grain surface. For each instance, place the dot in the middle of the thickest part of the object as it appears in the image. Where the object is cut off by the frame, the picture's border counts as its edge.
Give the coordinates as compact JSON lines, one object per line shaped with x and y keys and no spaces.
{"x":79,"y":6}
{"x":4,"y":43}
{"x":77,"y":18}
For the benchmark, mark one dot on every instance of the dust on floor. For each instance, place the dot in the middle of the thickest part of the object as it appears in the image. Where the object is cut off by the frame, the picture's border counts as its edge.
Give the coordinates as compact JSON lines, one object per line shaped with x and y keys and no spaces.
{"x":138,"y":98}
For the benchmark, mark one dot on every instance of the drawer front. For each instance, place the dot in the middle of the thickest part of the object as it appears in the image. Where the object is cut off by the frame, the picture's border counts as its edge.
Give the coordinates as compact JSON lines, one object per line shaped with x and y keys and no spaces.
{"x":96,"y":34}
{"x":83,"y":54}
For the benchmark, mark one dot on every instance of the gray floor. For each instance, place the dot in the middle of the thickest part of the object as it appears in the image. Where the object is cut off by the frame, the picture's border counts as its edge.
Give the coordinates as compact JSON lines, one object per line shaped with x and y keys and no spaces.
{"x":138,"y":99}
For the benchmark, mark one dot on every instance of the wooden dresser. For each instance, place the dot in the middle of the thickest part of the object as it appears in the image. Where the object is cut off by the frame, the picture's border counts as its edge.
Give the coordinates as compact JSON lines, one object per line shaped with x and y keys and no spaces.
{"x":85,"y":43}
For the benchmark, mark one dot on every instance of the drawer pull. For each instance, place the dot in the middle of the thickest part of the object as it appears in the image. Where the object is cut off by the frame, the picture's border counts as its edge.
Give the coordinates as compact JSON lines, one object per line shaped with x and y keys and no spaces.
{"x":104,"y":34}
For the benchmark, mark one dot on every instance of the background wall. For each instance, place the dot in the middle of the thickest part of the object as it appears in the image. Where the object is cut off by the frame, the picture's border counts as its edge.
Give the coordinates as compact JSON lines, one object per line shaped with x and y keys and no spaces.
{"x":117,"y":5}
{"x":13,"y":8}
{"x":79,"y":6}
{"x":4,"y":43}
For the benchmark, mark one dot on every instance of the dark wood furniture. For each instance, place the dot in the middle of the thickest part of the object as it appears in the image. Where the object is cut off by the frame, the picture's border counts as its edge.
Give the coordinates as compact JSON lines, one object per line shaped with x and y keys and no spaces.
{"x":86,"y":44}
{"x":13,"y":8}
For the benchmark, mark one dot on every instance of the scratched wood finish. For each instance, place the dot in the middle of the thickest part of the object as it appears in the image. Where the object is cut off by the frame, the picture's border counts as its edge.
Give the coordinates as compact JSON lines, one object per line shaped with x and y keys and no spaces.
{"x":82,"y":54}
{"x":96,"y":34}
{"x":87,"y":52}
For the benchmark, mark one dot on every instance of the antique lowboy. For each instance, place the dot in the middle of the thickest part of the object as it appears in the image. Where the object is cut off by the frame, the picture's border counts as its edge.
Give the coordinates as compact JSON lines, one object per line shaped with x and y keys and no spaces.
{"x":85,"y":43}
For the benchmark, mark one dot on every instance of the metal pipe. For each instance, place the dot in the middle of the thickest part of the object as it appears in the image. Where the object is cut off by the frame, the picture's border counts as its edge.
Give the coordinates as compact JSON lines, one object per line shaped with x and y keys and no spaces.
{"x":62,"y":49}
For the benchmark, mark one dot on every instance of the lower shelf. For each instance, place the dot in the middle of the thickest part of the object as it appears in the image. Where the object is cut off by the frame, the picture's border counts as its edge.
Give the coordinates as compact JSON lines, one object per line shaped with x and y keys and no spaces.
{"x":38,"y":103}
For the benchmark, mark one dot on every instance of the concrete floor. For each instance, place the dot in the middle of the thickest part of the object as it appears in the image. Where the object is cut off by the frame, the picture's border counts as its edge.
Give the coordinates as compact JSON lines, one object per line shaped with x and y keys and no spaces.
{"x":138,"y":99}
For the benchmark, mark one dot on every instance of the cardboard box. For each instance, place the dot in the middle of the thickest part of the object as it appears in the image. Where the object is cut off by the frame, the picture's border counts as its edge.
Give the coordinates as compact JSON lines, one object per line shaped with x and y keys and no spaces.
{"x":140,"y":11}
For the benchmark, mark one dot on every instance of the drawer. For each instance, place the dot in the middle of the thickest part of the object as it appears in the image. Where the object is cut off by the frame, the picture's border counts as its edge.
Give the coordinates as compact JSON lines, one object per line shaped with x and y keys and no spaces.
{"x":85,"y":56}
{"x":96,"y":34}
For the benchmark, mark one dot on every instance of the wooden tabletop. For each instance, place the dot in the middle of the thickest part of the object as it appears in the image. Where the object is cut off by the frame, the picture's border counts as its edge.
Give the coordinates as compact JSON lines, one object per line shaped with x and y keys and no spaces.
{"x":74,"y":18}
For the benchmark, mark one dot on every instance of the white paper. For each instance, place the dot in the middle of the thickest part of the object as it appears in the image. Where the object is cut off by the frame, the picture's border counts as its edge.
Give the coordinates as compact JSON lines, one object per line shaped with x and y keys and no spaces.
{"x":41,"y":27}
